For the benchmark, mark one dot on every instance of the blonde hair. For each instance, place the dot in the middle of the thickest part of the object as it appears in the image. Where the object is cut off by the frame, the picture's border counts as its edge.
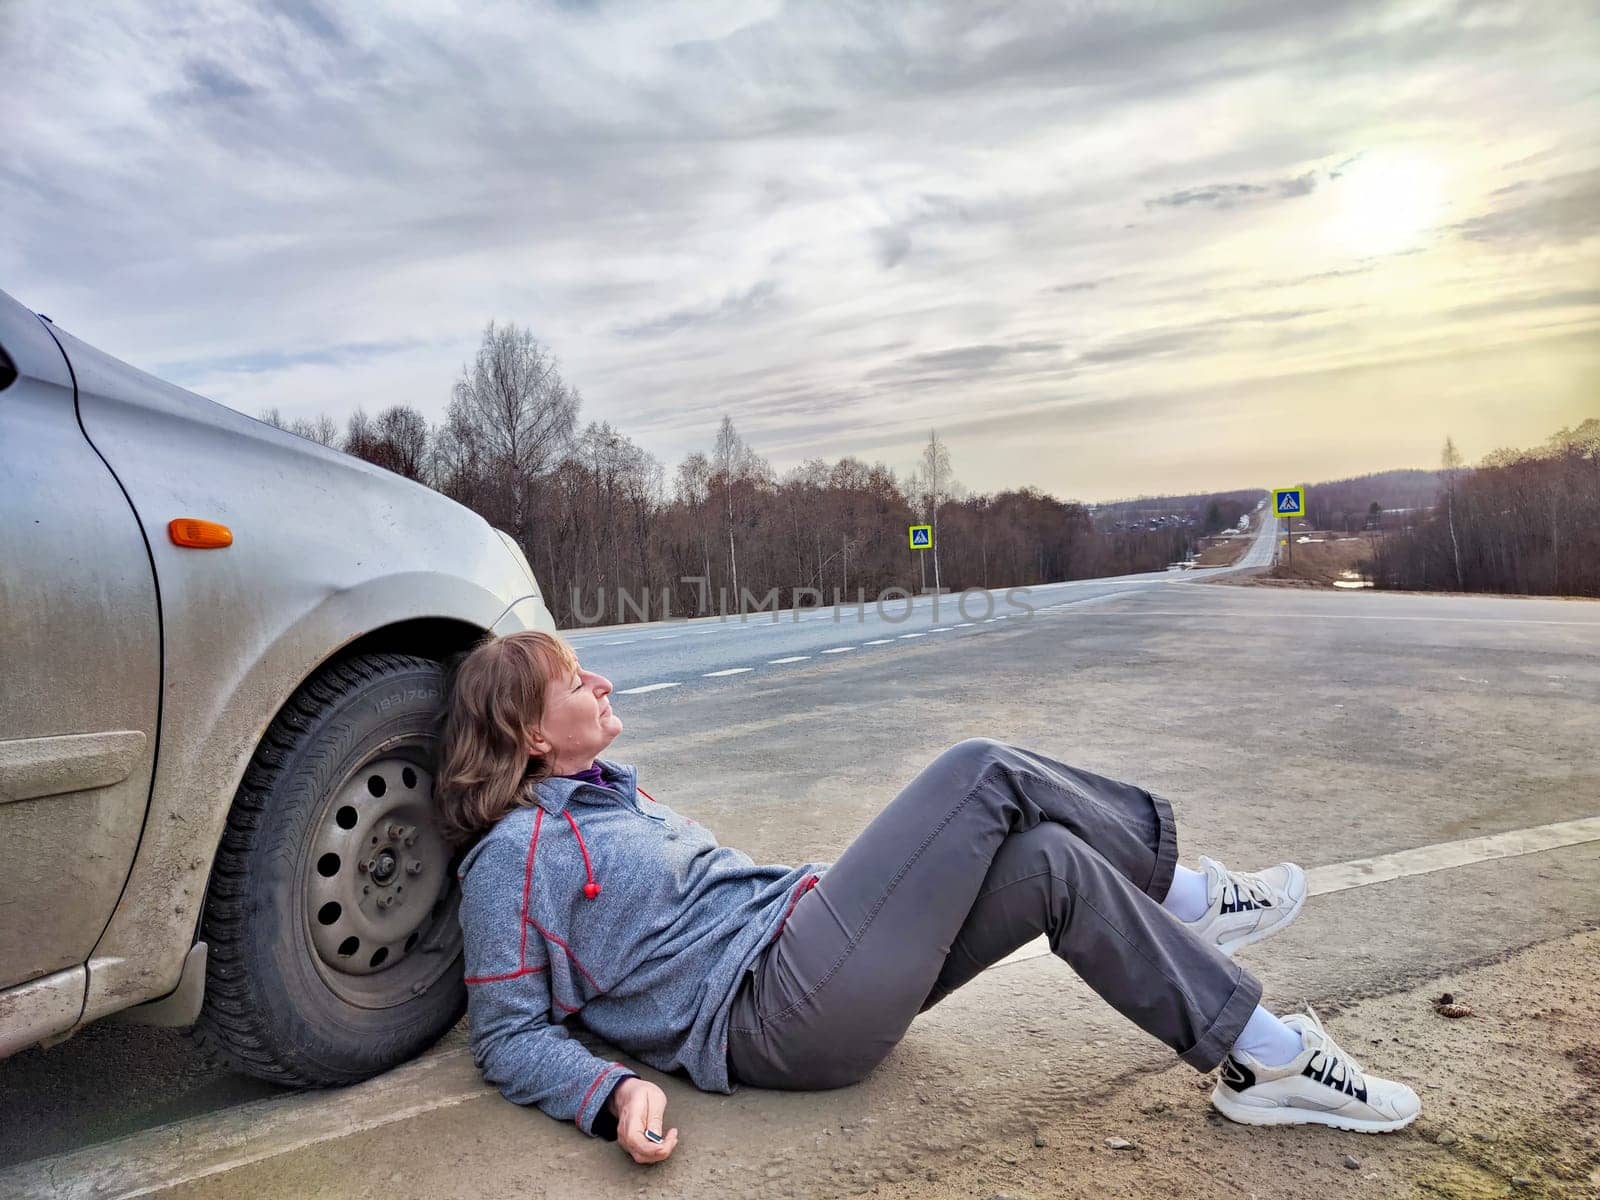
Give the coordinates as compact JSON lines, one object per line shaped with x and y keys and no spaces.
{"x":497,"y":692}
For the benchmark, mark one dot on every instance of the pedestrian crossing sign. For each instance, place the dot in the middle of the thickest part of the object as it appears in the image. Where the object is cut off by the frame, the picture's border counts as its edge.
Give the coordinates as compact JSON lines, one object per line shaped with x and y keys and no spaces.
{"x":921,"y":537}
{"x":1289,"y":502}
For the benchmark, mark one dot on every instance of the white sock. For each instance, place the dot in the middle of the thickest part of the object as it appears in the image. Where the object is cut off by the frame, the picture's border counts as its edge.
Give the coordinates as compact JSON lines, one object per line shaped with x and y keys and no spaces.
{"x":1268,"y":1040}
{"x":1186,"y":898}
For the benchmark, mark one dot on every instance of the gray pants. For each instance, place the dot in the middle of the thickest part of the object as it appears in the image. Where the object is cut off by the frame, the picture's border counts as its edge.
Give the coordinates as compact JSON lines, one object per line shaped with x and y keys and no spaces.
{"x":987,"y":848}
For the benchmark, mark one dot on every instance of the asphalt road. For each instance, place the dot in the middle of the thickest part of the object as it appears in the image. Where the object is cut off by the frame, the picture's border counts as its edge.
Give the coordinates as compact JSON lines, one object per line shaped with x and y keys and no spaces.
{"x":1333,"y":728}
{"x":706,"y":652}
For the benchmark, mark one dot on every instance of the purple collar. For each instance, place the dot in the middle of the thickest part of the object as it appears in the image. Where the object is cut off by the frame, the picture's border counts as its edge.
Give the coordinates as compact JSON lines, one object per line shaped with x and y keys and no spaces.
{"x":590,"y":774}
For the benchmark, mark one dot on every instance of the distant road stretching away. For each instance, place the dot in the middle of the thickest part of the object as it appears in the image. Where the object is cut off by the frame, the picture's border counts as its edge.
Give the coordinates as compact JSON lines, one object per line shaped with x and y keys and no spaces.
{"x":662,"y":657}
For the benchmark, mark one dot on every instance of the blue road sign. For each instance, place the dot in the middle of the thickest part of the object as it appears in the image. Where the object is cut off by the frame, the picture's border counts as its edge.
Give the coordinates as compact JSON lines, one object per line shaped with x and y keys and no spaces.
{"x":1289,"y":502}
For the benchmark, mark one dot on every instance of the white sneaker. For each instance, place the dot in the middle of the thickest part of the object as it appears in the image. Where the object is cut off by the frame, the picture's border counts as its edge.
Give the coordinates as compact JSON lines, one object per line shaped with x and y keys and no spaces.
{"x":1248,"y":906}
{"x":1323,"y":1085}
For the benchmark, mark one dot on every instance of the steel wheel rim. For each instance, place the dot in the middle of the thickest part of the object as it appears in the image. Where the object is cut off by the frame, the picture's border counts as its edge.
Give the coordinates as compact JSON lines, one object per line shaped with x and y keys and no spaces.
{"x":379,"y":906}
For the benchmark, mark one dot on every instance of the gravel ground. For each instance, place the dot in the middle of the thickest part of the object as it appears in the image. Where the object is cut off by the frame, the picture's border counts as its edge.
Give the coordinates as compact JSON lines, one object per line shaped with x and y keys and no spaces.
{"x":1511,"y":1103}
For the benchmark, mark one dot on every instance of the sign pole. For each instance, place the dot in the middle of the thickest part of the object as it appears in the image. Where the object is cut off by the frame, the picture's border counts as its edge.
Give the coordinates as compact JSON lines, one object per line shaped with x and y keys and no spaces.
{"x":1287,"y":504}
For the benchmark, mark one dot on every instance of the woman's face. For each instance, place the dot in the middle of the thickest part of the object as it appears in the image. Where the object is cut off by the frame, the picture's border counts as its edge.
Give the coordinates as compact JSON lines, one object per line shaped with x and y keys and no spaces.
{"x":577,"y":723}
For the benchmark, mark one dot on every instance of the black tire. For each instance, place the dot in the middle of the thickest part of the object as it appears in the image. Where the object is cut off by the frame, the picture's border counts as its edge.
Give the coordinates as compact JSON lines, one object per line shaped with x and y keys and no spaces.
{"x":279,"y":1003}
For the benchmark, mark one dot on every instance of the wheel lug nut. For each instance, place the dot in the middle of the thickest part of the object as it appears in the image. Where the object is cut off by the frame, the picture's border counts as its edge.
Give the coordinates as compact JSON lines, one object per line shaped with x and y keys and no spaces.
{"x":361,"y":867}
{"x":413,"y":868}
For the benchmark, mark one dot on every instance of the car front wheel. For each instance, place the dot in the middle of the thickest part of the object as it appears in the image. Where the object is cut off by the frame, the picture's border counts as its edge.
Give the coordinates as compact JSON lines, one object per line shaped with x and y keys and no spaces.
{"x":334,"y":945}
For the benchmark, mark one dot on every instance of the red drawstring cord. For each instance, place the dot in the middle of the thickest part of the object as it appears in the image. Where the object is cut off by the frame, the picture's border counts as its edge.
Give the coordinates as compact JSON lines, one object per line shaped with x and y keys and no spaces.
{"x":590,"y":889}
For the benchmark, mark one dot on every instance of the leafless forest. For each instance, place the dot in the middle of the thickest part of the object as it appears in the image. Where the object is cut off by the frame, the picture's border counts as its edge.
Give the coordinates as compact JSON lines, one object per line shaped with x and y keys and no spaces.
{"x":1524,"y":521}
{"x":600,"y":517}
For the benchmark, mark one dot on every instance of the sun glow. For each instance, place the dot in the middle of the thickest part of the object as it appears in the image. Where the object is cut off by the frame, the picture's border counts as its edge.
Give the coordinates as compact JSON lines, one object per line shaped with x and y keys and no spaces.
{"x":1385,"y":203}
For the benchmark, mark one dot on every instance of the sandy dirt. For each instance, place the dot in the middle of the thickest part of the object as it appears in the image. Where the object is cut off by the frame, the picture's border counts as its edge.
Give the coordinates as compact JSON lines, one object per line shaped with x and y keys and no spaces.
{"x":1511,"y":1105}
{"x":1224,"y":552}
{"x":1311,"y":564}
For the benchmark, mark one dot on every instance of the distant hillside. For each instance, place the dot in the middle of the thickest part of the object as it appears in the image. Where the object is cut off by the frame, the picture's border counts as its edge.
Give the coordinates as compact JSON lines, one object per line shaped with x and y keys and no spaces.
{"x":1347,"y":504}
{"x":1334,"y":504}
{"x":1200,"y":513}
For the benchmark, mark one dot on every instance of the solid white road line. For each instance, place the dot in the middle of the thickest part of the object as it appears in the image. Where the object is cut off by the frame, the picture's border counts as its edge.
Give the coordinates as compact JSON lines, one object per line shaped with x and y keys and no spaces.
{"x":648,"y":687}
{"x":1341,"y":877}
{"x":729,"y":671}
{"x":773,"y":662}
{"x":199,"y":1147}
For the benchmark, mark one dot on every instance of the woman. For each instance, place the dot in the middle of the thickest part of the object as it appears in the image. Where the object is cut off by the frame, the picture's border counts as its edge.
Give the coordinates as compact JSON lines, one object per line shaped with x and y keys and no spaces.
{"x":583,"y":895}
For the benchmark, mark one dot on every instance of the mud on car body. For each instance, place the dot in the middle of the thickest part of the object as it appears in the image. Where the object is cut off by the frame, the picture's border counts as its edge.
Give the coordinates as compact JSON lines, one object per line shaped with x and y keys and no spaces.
{"x":216,"y":759}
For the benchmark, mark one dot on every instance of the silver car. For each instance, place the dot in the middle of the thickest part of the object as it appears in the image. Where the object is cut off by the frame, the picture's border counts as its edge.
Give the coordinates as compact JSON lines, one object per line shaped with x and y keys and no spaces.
{"x":221,"y":652}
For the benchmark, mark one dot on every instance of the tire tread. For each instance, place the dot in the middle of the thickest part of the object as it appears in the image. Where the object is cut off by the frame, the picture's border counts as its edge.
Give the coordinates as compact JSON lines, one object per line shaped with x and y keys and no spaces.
{"x":234,"y":1027}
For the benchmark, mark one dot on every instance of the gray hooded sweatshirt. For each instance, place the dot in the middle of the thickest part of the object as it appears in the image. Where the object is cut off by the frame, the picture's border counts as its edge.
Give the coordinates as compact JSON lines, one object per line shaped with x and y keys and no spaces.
{"x":601,"y":902}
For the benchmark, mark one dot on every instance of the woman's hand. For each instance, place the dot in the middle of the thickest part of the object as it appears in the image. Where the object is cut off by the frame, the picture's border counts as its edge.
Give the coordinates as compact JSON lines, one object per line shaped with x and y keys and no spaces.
{"x":640,"y":1105}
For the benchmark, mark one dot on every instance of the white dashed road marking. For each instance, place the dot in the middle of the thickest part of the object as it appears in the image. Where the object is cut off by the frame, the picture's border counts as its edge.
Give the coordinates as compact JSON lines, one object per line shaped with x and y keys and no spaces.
{"x":649,"y":687}
{"x":793,"y":658}
{"x":838,"y":649}
{"x":729,"y":671}
{"x":878,"y":642}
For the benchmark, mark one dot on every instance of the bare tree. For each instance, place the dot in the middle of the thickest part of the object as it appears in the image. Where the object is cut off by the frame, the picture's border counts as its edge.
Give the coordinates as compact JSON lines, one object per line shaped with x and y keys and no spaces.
{"x":939,"y":484}
{"x":918,"y":499}
{"x":396,"y":440}
{"x":321,"y":429}
{"x":730,"y":458}
{"x":1450,"y":460}
{"x":694,"y":493}
{"x":404,"y":433}
{"x":361,"y":437}
{"x":514,"y":413}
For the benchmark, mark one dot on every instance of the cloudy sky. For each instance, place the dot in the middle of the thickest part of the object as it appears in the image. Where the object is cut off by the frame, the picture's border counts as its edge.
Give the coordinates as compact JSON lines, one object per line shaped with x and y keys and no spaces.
{"x":1106,"y":249}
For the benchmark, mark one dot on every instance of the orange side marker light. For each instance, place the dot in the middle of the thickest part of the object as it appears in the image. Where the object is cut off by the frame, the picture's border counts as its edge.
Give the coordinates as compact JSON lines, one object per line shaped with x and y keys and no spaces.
{"x":198,"y":534}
